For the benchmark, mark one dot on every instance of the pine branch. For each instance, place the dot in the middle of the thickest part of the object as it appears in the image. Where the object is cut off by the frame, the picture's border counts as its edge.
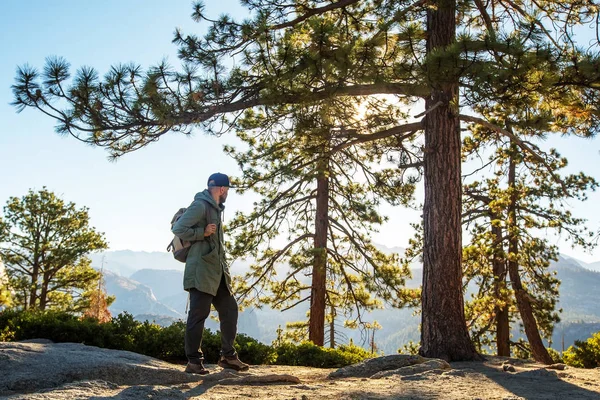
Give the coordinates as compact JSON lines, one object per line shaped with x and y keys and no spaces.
{"x":535,"y":20}
{"x":486,"y":18}
{"x":519,"y":142}
{"x":314,"y":11}
{"x":484,"y":166}
{"x":272,"y":260}
{"x":351,"y":290}
{"x":410,"y":128}
{"x":295,"y":304}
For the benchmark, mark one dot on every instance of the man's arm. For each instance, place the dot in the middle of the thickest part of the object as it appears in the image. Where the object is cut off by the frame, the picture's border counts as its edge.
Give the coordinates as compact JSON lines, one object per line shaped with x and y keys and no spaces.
{"x":184,"y":227}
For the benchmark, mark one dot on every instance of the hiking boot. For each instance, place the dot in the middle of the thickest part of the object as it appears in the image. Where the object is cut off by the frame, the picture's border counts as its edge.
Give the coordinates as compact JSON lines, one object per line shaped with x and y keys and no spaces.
{"x":232,"y":362}
{"x":192,"y":368}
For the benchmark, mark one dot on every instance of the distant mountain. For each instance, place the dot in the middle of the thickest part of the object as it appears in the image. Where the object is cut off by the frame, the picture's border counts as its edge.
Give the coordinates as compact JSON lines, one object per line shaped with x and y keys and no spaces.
{"x":164,"y":283}
{"x":157,"y":319}
{"x":579,"y":291}
{"x":388,"y":250}
{"x":156,"y":293}
{"x":580,"y":301}
{"x":127,"y":262}
{"x":177,"y":301}
{"x":595,"y":266}
{"x":134,"y":297}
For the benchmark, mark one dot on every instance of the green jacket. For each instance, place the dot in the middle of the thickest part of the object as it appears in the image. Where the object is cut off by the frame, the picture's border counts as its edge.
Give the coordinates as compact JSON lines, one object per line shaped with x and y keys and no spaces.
{"x":206,"y":263}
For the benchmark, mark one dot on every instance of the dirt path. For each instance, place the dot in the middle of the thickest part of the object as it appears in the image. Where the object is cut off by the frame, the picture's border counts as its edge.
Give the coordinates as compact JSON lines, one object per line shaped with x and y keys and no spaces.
{"x":483,"y":380}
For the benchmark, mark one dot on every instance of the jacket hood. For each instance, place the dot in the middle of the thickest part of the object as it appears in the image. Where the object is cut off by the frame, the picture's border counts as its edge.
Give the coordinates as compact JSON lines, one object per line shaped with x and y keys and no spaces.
{"x":205,"y":195}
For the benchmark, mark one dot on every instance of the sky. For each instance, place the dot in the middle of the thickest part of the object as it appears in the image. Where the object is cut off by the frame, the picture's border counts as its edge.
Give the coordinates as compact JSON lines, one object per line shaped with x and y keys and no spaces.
{"x":133,"y":199}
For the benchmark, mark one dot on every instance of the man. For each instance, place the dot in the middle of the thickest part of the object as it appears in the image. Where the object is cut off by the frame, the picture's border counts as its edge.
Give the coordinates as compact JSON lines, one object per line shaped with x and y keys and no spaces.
{"x":206,"y":276}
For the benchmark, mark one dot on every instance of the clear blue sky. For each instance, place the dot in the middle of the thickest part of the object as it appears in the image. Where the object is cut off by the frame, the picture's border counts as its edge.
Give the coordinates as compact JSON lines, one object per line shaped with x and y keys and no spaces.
{"x":132,"y":200}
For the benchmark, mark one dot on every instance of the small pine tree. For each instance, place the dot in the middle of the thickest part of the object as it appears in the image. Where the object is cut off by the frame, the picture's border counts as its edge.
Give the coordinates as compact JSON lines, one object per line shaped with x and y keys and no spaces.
{"x":99,"y":303}
{"x":44,"y":245}
{"x":5,"y":295}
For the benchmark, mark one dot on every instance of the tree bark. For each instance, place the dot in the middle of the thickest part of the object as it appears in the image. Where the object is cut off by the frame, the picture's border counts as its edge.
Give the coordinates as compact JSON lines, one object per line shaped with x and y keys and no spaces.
{"x":332,"y":328}
{"x":444,"y":332}
{"x":44,"y":292}
{"x":34,"y":285}
{"x":539,"y":352}
{"x":502,"y":320}
{"x":316,"y":325}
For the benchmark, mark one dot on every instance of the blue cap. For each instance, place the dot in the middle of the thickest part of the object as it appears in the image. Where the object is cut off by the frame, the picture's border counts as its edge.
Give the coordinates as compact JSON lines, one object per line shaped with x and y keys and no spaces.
{"x":218,"y":179}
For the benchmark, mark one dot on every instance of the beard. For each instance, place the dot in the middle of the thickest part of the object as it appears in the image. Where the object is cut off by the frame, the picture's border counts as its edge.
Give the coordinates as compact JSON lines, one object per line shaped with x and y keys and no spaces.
{"x":222,"y":198}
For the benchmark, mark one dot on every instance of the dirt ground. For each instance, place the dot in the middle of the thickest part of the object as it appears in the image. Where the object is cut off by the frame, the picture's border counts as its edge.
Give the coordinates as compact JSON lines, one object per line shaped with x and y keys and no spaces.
{"x":482,"y":380}
{"x":466,"y":380}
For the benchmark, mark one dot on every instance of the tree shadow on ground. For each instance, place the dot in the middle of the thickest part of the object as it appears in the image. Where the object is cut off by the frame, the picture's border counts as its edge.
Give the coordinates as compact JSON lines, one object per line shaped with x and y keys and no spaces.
{"x":171,"y":393}
{"x":530,"y":384}
{"x":549,"y":384}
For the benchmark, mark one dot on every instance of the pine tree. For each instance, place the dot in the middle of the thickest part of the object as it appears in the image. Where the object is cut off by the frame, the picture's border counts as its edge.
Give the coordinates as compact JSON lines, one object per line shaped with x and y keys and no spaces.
{"x":320,"y":191}
{"x":5,"y":294}
{"x":526,"y":194}
{"x":413,"y":50}
{"x":99,"y":301}
{"x":44,"y":243}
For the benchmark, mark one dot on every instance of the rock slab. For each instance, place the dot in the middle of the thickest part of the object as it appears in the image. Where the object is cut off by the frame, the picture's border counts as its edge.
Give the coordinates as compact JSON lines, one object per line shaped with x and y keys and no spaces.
{"x":370,"y":367}
{"x":29,"y":367}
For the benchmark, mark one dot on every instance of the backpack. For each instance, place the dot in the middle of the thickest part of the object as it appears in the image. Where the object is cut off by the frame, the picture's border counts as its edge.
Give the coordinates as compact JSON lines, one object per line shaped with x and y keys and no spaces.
{"x":178,"y":246}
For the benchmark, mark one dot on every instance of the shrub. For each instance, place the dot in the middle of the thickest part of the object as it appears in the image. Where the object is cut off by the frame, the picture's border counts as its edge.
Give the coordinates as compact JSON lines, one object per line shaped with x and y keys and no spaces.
{"x":411,"y":348}
{"x":254,"y":352}
{"x":123,"y":332}
{"x":57,"y":326}
{"x":584,"y":354}
{"x":521,"y":349}
{"x":556,"y":358}
{"x":172,"y":342}
{"x":211,"y":346}
{"x":309,"y":355}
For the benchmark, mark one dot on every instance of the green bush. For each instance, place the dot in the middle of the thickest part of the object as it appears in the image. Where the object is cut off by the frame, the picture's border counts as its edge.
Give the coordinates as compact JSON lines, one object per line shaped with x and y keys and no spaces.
{"x":125,"y":333}
{"x":172,"y":340}
{"x":555,"y":355}
{"x":521,"y":350}
{"x":411,"y":348}
{"x":584,"y":354}
{"x":57,"y":326}
{"x":309,"y":355}
{"x":254,"y":352}
{"x":122,"y":333}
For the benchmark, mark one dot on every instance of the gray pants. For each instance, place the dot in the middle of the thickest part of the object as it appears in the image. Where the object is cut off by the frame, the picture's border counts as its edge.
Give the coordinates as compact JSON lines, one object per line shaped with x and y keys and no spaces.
{"x":200,"y":303}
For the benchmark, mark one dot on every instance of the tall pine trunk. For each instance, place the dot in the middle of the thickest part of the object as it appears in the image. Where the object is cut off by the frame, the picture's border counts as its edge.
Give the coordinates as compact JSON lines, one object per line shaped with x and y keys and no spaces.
{"x":502,"y":319}
{"x":44,"y":292}
{"x":332,"y":328}
{"x":540,"y":354}
{"x":316,"y":324}
{"x":38,"y":262}
{"x":444,"y":332}
{"x":33,"y":289}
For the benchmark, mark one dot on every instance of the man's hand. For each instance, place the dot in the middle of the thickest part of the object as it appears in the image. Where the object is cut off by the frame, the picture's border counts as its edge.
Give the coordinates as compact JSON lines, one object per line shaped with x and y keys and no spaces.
{"x":210,"y":229}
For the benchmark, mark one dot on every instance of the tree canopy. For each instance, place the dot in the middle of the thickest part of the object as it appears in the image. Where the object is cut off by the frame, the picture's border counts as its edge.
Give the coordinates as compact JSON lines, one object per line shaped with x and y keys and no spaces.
{"x":320,"y":195}
{"x":44,"y":243}
{"x":452,"y":56}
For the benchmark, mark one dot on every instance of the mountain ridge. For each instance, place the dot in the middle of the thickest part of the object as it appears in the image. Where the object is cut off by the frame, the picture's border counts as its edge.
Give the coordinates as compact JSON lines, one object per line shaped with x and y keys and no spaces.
{"x":162,"y":298}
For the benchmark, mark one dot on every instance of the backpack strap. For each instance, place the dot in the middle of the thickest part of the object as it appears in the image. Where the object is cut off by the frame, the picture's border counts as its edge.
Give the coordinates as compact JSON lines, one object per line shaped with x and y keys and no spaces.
{"x":206,"y":211}
{"x":207,"y":205}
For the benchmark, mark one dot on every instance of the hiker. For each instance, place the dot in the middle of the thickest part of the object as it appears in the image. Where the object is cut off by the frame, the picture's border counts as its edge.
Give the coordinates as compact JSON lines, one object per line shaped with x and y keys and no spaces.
{"x":206,"y":276}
